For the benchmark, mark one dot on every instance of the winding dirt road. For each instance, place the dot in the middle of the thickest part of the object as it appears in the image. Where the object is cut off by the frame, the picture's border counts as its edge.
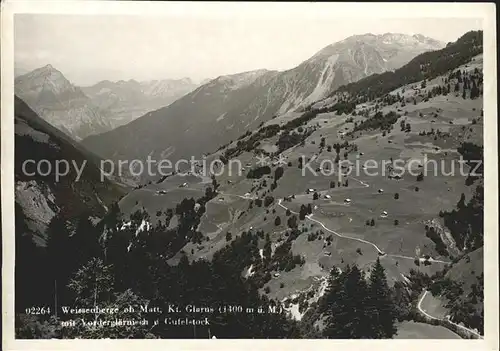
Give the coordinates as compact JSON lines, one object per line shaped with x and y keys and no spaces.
{"x":382,"y":253}
{"x":419,"y":306}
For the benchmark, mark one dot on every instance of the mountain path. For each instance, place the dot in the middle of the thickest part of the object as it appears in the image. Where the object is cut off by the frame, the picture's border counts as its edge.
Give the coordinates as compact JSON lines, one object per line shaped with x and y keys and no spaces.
{"x":421,"y":310}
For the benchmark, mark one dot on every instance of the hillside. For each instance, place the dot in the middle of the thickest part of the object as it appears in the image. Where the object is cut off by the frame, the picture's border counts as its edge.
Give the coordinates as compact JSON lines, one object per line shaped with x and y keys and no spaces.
{"x":41,"y":197}
{"x":425,"y":66}
{"x":228,"y":106}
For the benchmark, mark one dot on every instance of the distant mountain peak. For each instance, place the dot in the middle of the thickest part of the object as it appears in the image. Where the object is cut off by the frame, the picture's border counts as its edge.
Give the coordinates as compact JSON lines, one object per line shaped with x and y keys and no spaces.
{"x":46,"y":78}
{"x":385,"y":44}
{"x":389,"y":37}
{"x":47,"y":70}
{"x":49,"y":93}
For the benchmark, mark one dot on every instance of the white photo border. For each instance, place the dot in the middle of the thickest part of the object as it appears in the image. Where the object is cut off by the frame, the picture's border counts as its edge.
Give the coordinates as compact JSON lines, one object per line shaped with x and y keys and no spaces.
{"x":484,"y":11}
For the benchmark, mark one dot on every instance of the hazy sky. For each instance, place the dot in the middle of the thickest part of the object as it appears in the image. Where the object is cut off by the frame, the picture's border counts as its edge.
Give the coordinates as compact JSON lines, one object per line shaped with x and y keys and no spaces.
{"x":89,"y":48}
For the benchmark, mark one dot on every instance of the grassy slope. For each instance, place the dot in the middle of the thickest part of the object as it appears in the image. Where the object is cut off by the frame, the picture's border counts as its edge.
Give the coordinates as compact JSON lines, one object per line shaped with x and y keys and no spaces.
{"x":413,"y":330}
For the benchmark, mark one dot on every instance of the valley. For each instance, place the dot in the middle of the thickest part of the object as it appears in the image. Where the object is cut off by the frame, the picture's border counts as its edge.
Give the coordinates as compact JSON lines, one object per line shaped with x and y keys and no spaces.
{"x":84,"y":111}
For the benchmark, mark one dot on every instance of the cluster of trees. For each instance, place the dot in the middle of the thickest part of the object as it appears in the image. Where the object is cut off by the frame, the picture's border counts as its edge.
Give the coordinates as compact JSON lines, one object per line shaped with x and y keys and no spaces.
{"x":405,"y":127}
{"x":292,"y":222}
{"x":100,"y":266}
{"x":258,"y":172}
{"x":472,"y":153}
{"x":370,"y":222}
{"x":466,"y":221}
{"x":284,"y":259}
{"x":250,"y":142}
{"x":432,"y":234}
{"x":344,"y":106}
{"x":464,"y":306}
{"x":379,"y":122}
{"x":268,"y":200}
{"x":304,"y":211}
{"x":278,"y":173}
{"x":317,"y":235}
{"x":303,"y":119}
{"x":470,"y":81}
{"x":355,"y":306}
{"x":288,"y":140}
{"x":339,"y":184}
{"x":436,"y":132}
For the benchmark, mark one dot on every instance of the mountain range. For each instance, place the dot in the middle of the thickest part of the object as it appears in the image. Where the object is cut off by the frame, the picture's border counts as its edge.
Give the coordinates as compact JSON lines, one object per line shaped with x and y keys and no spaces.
{"x":84,"y":111}
{"x":228,"y":106}
{"x":123,"y":101}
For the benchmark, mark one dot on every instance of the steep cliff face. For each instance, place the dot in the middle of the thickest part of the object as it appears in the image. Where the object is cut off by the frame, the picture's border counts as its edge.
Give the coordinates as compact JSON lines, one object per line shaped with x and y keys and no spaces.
{"x":39,"y":194}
